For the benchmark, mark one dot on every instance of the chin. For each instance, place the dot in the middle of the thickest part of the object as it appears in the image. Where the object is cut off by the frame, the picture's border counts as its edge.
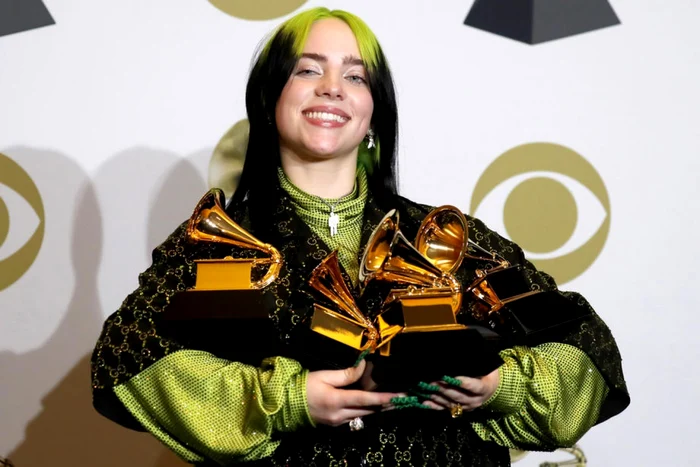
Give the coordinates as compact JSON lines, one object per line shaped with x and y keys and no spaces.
{"x":321,"y":155}
{"x":325,"y":151}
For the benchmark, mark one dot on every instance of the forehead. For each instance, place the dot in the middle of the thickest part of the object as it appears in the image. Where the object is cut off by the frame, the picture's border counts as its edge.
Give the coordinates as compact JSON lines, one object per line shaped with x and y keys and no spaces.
{"x":331,"y":36}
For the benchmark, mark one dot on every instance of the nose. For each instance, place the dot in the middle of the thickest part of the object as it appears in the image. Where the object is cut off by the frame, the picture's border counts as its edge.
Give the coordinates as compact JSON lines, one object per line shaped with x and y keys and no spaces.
{"x":330,"y":87}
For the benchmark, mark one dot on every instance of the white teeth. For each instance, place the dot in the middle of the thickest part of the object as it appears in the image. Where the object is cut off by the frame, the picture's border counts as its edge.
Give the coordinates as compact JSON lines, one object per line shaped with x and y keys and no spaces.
{"x":326,"y":116}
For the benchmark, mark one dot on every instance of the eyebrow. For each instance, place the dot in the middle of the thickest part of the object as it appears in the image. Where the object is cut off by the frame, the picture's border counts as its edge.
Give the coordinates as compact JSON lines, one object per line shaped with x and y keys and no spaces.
{"x":347,"y":60}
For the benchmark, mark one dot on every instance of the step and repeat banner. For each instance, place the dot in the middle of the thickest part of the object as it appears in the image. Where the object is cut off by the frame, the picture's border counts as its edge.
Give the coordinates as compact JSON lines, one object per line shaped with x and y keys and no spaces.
{"x":570,"y":127}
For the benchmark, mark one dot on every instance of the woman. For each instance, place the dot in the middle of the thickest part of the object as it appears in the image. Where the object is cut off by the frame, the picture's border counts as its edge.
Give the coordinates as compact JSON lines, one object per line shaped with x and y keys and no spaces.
{"x":319,"y":175}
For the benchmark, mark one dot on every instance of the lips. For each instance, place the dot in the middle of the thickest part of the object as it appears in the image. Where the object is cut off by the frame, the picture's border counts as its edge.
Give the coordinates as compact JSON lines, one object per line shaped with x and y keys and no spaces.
{"x":327,"y":109}
{"x":327,"y":117}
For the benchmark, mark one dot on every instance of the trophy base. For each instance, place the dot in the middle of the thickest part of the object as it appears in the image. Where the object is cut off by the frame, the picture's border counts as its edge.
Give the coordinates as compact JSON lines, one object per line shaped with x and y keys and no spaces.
{"x":428,"y":356}
{"x":216,"y":304}
{"x":320,"y":352}
{"x":540,"y":318}
{"x":231,"y":324}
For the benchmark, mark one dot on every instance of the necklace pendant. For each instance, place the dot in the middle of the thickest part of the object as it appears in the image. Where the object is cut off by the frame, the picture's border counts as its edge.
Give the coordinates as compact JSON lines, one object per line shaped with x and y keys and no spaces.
{"x":333,"y":221}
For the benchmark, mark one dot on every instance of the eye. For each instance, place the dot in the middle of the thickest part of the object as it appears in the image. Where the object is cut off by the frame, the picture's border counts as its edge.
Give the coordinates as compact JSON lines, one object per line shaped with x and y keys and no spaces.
{"x":21,"y":222}
{"x":560,"y":217}
{"x":356,"y":79}
{"x":306,"y":72}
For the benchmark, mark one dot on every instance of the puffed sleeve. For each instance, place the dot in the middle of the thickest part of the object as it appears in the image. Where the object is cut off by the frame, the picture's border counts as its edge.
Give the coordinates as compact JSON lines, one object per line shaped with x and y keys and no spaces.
{"x":199,"y":405}
{"x":550,"y":394}
{"x":548,"y":397}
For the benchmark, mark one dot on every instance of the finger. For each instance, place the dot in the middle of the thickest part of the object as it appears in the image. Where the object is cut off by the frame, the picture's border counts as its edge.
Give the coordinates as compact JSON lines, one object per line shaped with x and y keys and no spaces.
{"x":442,"y":401}
{"x":349,"y":414}
{"x":454,"y":395}
{"x":355,"y":398}
{"x":390,"y":405}
{"x":432,"y":405}
{"x":470,"y":386}
{"x":473,"y":385}
{"x":366,"y":381}
{"x":345,"y":377}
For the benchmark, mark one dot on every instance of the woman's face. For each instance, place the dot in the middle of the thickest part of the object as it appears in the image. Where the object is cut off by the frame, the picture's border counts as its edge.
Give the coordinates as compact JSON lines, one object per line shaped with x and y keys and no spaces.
{"x":326,"y":107}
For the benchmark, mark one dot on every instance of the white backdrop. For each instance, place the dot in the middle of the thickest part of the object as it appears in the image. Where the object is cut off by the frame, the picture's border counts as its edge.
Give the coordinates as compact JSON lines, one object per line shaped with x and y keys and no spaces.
{"x":115,"y":110}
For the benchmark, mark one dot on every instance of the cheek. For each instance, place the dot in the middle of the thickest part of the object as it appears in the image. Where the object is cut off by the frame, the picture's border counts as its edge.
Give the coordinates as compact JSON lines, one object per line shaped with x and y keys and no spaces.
{"x":291,"y":95}
{"x":285,"y":109}
{"x":366,"y":106}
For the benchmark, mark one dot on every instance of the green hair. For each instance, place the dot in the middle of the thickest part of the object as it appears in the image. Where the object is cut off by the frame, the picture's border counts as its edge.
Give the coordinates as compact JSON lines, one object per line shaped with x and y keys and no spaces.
{"x":299,"y":26}
{"x":297,"y":29}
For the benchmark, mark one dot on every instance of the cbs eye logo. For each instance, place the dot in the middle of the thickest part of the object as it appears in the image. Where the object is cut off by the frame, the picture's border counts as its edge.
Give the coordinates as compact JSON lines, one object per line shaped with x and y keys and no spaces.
{"x":257,"y":10}
{"x":226,"y":163}
{"x":554,"y":205}
{"x":21,"y":213}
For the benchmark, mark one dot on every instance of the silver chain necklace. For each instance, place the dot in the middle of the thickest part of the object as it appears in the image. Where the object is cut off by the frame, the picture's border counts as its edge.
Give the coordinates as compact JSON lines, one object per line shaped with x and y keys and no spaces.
{"x":333,"y":217}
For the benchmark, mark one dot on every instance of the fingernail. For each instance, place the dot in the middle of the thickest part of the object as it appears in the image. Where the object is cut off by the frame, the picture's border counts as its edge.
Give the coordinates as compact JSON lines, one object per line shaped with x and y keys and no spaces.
{"x":428,"y":387}
{"x":361,"y":357}
{"x":404,"y":400}
{"x":452,"y":381}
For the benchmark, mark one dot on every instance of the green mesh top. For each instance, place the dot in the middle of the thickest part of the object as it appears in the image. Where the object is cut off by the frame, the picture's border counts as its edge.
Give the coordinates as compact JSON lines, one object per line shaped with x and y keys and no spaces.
{"x":315,"y":211}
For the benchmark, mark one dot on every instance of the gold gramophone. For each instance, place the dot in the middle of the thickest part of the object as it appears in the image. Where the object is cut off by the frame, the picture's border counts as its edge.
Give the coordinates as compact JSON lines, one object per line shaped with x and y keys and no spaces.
{"x":418,"y":324}
{"x":219,"y":283}
{"x":210,"y":223}
{"x":487,"y":304}
{"x":346,"y":324}
{"x":390,"y":257}
{"x":497,"y":282}
{"x":444,"y":232}
{"x":427,"y":296}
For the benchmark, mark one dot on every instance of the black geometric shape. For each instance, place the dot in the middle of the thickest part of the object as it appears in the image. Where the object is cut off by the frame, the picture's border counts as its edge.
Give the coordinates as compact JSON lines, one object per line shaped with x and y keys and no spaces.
{"x":537,"y":21}
{"x":23,"y":15}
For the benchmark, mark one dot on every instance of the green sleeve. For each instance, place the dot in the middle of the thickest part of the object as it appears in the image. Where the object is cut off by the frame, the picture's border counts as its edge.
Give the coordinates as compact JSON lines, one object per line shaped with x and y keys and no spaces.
{"x":591,"y":336}
{"x":201,"y":406}
{"x":548,"y":397}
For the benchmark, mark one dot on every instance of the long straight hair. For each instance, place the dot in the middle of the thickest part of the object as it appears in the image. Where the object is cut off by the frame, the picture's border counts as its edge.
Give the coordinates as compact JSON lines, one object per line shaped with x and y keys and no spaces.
{"x":270,"y":73}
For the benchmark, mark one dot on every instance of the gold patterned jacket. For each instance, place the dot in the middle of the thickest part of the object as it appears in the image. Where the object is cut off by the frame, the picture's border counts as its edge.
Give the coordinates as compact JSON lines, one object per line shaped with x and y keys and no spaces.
{"x":135,"y":337}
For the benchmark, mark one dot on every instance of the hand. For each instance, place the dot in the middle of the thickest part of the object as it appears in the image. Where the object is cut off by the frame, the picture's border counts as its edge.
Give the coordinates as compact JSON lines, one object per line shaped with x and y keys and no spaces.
{"x":471,"y":394}
{"x":329,"y":404}
{"x":366,"y":381}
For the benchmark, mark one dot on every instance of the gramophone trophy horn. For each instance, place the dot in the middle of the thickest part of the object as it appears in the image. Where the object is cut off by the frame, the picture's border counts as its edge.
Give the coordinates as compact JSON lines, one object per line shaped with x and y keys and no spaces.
{"x":390,"y":257}
{"x":210,"y":223}
{"x":346,"y":323}
{"x":417,"y":322}
{"x":487,"y":302}
{"x":442,"y":238}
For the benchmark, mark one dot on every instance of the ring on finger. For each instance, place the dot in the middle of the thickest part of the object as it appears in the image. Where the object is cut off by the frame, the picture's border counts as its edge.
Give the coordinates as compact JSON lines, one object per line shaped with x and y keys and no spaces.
{"x":456,"y":410}
{"x":356,"y":424}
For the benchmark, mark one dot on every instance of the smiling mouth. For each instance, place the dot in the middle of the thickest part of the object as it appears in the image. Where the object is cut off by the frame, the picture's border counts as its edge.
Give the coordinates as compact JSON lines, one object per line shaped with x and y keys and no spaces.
{"x":325,"y":117}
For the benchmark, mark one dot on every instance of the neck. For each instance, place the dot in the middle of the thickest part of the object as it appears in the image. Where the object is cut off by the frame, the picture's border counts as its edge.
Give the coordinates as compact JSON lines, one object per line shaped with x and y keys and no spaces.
{"x":327,"y":178}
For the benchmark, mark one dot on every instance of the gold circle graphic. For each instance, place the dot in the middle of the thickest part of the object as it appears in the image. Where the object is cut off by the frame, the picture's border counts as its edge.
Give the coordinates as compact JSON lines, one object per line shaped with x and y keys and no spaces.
{"x":16,"y":178}
{"x":257,"y":10}
{"x":226,"y":164}
{"x":541,"y":213}
{"x":538,"y":204}
{"x":4,"y":221}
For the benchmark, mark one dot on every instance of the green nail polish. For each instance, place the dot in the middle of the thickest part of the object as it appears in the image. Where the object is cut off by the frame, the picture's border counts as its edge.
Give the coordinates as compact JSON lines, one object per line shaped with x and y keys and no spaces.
{"x":428,"y":387}
{"x":452,"y":381}
{"x":361,"y":357}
